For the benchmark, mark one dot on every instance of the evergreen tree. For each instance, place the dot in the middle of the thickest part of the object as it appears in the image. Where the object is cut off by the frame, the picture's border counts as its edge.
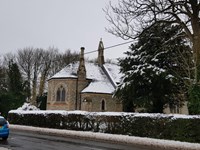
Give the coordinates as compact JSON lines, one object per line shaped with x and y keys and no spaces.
{"x":15,"y":85}
{"x":194,"y":99}
{"x":3,"y":85}
{"x":13,"y":96}
{"x":154,"y":71}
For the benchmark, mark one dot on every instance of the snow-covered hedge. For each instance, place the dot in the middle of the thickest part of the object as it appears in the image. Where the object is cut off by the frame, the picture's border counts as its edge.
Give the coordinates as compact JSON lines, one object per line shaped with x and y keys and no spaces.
{"x":173,"y":127}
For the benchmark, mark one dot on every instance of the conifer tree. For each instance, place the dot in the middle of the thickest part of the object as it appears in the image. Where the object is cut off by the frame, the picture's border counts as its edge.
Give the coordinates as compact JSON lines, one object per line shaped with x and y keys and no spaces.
{"x":155,"y":74}
{"x":13,"y":97}
{"x":14,"y":79}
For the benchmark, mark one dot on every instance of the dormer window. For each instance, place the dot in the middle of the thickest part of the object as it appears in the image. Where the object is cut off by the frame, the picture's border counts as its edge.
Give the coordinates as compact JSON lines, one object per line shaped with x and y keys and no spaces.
{"x":60,"y":94}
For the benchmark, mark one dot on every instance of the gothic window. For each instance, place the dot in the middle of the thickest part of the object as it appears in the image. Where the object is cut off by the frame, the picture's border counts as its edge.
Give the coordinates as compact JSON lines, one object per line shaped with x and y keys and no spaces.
{"x":174,"y":110}
{"x":63,"y":95}
{"x":60,"y":94}
{"x":103,"y":105}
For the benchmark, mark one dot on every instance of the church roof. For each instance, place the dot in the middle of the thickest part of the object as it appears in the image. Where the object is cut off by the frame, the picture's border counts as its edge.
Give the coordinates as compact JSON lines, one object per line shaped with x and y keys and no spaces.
{"x":102,"y":77}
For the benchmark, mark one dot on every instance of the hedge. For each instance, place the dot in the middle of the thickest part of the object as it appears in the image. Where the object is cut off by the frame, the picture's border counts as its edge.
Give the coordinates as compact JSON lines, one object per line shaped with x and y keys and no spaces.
{"x":179,"y":127}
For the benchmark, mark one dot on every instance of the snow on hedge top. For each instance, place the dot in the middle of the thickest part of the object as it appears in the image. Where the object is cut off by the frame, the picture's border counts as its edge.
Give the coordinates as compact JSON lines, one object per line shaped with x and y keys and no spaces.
{"x":63,"y":112}
{"x":100,"y":81}
{"x":27,"y":107}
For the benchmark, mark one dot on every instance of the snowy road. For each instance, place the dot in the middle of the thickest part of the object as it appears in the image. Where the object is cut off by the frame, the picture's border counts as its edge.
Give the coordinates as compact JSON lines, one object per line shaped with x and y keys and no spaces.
{"x":22,"y":140}
{"x":35,"y":138}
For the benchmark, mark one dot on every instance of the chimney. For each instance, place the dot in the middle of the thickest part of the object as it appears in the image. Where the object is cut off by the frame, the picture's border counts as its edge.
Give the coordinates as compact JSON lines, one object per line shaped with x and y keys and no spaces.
{"x":101,"y":54}
{"x":81,"y":69}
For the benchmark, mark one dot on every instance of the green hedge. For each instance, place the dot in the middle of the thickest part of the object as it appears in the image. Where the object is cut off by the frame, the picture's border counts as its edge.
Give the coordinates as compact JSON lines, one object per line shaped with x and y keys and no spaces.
{"x":153,"y":126}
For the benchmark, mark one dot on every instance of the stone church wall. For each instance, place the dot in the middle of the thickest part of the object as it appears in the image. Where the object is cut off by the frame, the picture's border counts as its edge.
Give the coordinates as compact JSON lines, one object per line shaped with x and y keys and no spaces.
{"x":93,"y":102}
{"x":70,"y":97}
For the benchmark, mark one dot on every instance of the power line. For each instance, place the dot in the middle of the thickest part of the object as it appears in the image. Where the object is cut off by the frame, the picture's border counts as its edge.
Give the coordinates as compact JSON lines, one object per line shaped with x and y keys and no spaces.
{"x":109,"y":47}
{"x":104,"y":49}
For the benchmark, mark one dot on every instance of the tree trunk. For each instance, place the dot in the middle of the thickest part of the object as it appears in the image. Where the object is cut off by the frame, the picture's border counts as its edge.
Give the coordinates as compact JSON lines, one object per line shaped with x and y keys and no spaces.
{"x":34,"y":88}
{"x":42,"y":83}
{"x":29,"y":86}
{"x":196,"y":53}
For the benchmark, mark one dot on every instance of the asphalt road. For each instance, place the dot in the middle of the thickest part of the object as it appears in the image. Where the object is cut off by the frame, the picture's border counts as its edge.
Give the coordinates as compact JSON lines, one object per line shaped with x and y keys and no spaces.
{"x":23,"y":140}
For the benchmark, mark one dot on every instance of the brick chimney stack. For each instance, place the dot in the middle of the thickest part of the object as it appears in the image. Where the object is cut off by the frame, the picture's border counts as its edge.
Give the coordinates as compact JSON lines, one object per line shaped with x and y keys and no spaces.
{"x":101,"y":54}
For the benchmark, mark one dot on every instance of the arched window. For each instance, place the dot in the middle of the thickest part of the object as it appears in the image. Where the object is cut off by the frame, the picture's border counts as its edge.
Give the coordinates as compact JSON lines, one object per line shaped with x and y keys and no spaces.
{"x":63,"y":95}
{"x":60,"y":94}
{"x":103,"y":105}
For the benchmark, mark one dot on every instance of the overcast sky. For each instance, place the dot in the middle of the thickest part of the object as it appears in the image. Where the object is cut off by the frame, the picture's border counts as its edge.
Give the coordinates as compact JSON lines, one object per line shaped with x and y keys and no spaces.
{"x":64,"y":24}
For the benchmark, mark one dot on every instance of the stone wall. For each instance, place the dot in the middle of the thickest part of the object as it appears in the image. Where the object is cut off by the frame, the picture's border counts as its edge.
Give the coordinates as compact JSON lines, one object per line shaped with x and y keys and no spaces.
{"x":177,"y":110}
{"x":82,"y":83}
{"x":70,"y":97}
{"x":93,"y":102}
{"x":74,"y":101}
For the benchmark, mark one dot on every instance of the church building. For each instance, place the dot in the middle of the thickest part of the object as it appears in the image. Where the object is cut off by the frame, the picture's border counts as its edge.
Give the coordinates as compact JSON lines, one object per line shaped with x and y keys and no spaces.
{"x":85,"y":85}
{"x":89,"y":86}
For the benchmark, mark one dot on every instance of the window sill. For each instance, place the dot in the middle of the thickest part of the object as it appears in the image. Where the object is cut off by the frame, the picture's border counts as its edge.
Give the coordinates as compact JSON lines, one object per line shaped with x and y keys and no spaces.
{"x":59,"y":102}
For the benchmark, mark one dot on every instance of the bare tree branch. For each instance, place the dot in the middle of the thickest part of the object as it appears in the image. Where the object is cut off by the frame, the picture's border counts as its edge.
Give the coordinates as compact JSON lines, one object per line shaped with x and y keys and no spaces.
{"x":130,"y":18}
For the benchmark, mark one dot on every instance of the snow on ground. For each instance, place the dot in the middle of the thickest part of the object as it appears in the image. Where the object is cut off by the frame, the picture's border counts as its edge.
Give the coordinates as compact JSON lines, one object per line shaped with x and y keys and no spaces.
{"x":2,"y":148}
{"x":160,"y":144}
{"x":156,"y":143}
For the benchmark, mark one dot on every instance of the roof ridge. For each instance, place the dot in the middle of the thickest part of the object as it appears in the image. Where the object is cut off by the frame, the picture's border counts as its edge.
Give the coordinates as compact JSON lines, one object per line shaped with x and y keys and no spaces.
{"x":105,"y":70}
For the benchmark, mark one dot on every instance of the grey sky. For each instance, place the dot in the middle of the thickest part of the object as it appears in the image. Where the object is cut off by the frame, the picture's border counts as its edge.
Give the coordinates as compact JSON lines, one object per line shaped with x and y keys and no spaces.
{"x":65,"y":24}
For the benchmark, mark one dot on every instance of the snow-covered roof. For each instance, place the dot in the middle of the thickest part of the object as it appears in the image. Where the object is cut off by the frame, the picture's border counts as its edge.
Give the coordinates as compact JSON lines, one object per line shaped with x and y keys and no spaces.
{"x":114,"y":71}
{"x":70,"y":71}
{"x":100,"y":81}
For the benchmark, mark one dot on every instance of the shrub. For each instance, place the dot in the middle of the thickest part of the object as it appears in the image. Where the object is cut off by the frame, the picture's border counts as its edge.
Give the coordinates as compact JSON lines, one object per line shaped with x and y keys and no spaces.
{"x":182,"y":128}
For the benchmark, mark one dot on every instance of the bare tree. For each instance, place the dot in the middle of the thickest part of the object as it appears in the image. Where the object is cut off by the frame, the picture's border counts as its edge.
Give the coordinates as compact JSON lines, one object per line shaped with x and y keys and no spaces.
{"x":69,"y":57}
{"x":37,"y":63}
{"x":63,"y":59}
{"x":48,"y":59}
{"x":25,"y":61}
{"x":7,"y":58}
{"x":130,"y":17}
{"x":52,"y":62}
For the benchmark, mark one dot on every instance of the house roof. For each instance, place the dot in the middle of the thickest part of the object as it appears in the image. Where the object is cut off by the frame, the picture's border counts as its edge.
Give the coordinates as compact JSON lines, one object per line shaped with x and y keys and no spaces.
{"x":101,"y":81}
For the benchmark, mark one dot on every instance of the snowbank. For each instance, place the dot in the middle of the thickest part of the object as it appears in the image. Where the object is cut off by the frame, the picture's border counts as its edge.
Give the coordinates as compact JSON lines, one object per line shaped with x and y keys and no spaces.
{"x":27,"y":107}
{"x":2,"y":148}
{"x":156,"y":143}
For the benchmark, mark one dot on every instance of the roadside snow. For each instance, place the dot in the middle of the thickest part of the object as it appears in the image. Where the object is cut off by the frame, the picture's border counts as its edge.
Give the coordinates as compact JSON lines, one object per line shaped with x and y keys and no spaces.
{"x":124,"y":139}
{"x":2,"y":148}
{"x":155,"y":143}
